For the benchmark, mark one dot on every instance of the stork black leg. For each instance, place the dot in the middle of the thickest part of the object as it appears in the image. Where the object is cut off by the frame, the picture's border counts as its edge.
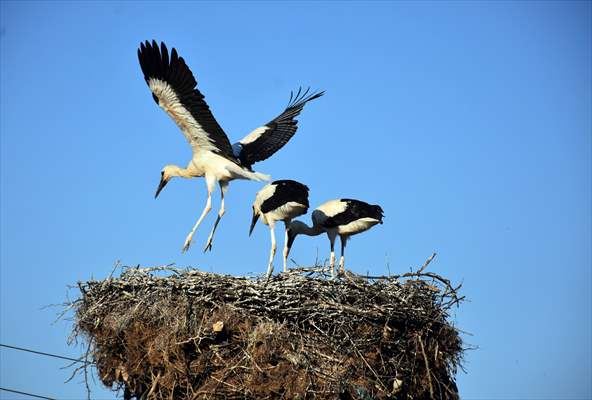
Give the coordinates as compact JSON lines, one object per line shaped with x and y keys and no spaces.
{"x":285,"y":253}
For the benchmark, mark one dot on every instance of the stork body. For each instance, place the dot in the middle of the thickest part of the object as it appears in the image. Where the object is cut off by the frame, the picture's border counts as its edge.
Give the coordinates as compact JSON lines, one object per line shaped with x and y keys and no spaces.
{"x":341,"y":217}
{"x":173,"y":88}
{"x":279,"y":201}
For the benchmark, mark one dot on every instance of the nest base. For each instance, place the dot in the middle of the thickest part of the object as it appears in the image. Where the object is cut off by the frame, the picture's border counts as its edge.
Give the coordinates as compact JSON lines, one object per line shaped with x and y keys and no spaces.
{"x":194,"y":335}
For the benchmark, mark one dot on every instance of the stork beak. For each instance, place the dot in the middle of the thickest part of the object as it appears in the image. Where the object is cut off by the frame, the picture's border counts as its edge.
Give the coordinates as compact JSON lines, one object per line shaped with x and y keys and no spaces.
{"x":291,"y":237}
{"x":253,"y":222}
{"x":161,"y":186}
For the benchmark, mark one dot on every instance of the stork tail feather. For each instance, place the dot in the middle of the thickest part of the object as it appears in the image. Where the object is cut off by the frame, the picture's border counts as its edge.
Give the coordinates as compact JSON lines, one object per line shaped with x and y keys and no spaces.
{"x":262,"y":177}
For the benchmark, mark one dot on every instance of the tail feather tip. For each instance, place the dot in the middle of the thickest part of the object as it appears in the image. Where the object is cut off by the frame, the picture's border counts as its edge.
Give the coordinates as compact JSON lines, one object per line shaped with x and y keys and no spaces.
{"x":262,"y":177}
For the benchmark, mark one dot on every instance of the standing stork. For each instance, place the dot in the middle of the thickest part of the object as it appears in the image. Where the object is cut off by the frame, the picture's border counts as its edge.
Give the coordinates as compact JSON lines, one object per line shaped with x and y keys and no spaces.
{"x":173,"y":88}
{"x":343,"y":217}
{"x":279,"y":201}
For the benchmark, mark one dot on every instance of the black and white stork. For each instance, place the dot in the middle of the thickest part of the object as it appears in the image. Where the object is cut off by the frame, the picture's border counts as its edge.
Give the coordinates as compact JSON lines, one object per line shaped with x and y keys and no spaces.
{"x":279,"y":201}
{"x":173,"y":88}
{"x":343,"y":217}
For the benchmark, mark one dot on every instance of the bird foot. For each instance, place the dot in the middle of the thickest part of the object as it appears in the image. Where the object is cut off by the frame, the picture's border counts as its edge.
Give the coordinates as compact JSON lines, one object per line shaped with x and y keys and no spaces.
{"x":187,"y":242}
{"x":208,"y":245}
{"x":269,"y":271}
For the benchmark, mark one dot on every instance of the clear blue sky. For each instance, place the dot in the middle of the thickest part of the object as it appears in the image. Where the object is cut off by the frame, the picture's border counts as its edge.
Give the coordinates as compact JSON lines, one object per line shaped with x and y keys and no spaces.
{"x":469,"y":122}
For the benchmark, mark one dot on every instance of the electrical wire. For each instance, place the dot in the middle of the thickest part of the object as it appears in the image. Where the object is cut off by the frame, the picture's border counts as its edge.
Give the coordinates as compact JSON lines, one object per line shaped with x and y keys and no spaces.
{"x":27,"y":394}
{"x":43,"y":353}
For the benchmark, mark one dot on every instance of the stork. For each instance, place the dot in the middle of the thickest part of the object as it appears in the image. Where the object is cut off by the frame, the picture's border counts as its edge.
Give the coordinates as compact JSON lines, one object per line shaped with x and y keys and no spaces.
{"x":343,"y":217}
{"x":279,"y":201}
{"x":174,"y":89}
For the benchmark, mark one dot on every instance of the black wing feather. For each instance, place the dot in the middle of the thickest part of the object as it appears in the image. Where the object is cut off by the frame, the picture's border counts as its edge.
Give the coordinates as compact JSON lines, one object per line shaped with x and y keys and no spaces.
{"x":355,"y":210}
{"x":280,"y":130}
{"x":286,"y":191}
{"x":155,"y":63}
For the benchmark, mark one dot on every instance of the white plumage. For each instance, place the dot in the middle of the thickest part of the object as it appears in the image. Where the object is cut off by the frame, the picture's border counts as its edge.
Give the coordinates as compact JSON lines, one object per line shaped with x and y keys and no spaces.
{"x":256,"y":134}
{"x":279,"y":201}
{"x":195,"y":134}
{"x":173,"y":87}
{"x":341,"y":217}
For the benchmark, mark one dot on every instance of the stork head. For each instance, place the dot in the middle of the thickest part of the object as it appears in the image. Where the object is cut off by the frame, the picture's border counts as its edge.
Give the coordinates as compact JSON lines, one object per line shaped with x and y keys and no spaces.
{"x":167,"y":173}
{"x":294,"y":229}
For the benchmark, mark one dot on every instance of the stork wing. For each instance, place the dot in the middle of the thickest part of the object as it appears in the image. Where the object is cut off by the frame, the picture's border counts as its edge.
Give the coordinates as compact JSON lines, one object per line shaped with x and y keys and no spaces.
{"x":286,"y":190}
{"x":269,"y":138}
{"x":174,"y":89}
{"x":354,"y":210}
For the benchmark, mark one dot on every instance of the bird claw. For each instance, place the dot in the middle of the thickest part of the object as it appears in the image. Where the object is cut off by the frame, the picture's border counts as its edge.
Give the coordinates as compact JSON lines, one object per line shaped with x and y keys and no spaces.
{"x":269,"y":271}
{"x":208,"y":245}
{"x":187,"y":243}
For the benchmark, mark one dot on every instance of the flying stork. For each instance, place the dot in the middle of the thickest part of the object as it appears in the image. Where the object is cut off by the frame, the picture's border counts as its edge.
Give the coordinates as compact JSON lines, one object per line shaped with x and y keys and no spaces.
{"x":343,"y":217}
{"x":174,"y":89}
{"x":279,"y":201}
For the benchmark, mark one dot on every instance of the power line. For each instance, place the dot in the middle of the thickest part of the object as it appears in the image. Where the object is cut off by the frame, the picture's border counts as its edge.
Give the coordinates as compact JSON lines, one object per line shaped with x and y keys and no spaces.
{"x":43,"y":354}
{"x":27,"y":394}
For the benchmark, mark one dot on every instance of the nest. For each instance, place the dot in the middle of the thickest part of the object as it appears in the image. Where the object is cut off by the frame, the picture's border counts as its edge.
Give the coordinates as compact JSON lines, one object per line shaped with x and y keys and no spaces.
{"x":187,"y":334}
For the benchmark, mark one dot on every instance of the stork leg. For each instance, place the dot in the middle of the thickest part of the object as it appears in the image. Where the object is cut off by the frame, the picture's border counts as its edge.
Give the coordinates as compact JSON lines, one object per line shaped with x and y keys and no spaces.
{"x":332,"y":236}
{"x":272,"y":251}
{"x":285,"y":253}
{"x":210,"y":183}
{"x":223,"y":189}
{"x":342,"y":259}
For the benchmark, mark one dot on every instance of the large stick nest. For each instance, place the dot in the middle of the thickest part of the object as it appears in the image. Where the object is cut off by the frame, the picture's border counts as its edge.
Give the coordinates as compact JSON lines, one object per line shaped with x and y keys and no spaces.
{"x":188,"y":334}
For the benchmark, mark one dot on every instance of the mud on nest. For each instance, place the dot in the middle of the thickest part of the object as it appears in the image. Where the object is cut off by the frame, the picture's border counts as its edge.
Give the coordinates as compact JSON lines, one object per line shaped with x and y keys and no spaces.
{"x":187,"y":334}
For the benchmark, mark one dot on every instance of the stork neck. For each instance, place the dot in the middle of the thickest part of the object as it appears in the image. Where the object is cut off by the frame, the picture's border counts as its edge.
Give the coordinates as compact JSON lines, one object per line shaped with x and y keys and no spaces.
{"x":185,"y":173}
{"x":175,"y":170}
{"x":308,"y":230}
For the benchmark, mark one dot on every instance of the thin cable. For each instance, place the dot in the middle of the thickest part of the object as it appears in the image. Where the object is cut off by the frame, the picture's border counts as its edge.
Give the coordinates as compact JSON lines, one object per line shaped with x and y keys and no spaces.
{"x":27,"y":394}
{"x":42,"y":353}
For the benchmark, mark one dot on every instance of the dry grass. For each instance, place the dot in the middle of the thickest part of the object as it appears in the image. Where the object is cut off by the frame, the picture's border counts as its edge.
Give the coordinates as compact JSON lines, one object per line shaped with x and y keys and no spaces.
{"x":188,"y":334}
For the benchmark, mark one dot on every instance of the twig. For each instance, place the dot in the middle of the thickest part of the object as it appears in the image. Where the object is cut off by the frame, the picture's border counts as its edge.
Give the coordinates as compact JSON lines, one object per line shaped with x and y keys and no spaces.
{"x":85,"y":369}
{"x":427,"y":365}
{"x":117,"y":264}
{"x":154,"y":383}
{"x":426,"y":263}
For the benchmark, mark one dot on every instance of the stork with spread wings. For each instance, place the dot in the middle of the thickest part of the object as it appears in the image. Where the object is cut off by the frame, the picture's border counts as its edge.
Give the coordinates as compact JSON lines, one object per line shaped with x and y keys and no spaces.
{"x":174,"y":89}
